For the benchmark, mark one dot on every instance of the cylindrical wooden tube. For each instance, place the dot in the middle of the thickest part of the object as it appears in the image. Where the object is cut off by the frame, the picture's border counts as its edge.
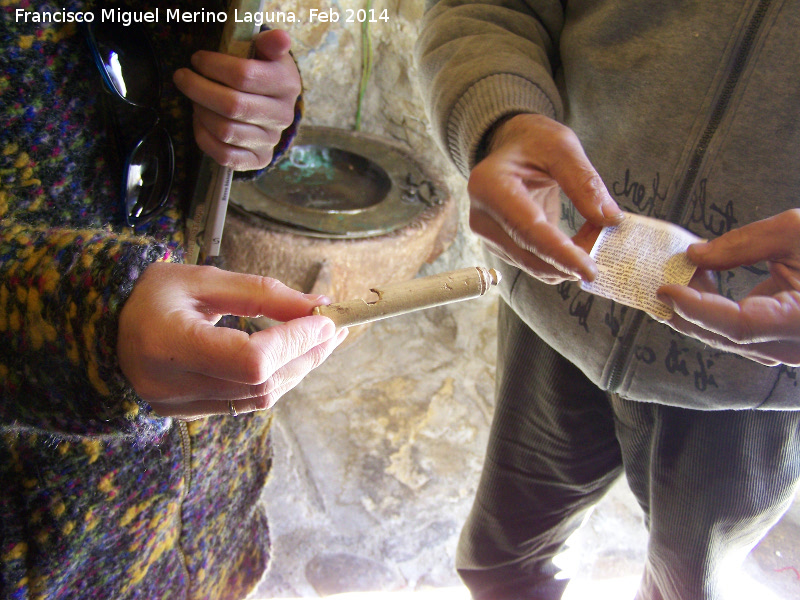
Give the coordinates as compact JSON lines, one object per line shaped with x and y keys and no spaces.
{"x":403,"y":297}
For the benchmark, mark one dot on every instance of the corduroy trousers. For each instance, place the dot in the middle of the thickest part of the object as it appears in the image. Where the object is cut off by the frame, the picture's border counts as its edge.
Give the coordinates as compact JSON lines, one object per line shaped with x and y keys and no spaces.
{"x":710,"y":483}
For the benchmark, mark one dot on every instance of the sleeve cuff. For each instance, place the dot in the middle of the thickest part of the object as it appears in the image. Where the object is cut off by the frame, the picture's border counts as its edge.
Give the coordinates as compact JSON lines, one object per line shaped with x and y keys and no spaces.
{"x":485,"y":103}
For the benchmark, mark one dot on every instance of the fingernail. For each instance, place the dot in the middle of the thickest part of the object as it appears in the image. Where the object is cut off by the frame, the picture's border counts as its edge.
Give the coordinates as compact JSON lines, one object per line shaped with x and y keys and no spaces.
{"x":589,"y":275}
{"x":327,"y":331}
{"x":700,"y":247}
{"x":664,"y":299}
{"x":317,"y":299}
{"x":179,"y":76}
{"x":616,"y":215}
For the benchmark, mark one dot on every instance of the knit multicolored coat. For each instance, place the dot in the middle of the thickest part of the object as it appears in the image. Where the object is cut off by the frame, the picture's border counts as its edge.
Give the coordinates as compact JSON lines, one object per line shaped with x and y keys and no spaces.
{"x":100,"y":498}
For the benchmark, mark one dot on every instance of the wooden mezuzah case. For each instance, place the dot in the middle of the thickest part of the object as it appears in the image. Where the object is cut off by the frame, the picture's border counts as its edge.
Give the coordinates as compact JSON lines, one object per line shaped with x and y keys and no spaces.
{"x":404,"y":297}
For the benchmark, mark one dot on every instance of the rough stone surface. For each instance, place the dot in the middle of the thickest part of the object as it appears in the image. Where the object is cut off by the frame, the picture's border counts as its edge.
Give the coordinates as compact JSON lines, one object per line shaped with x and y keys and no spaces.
{"x":341,"y":572}
{"x":377,"y":454}
{"x":329,"y":56}
{"x":353,"y":266}
{"x":377,"y":457}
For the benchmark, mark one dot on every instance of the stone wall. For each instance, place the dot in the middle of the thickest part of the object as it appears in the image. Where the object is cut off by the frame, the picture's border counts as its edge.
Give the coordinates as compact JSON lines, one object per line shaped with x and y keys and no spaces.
{"x":375,"y":471}
{"x":329,"y":55}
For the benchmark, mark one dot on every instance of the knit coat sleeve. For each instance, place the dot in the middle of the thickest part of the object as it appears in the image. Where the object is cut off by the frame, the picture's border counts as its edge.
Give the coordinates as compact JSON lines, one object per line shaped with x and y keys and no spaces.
{"x":480,"y":61}
{"x":61,"y":291}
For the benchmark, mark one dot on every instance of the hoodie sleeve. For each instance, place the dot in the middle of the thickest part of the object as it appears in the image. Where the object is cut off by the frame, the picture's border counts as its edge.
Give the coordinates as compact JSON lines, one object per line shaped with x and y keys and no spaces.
{"x":482,"y":61}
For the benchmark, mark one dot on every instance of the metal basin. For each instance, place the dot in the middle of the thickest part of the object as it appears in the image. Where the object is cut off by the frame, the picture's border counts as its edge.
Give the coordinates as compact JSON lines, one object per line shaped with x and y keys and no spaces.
{"x":339,"y":184}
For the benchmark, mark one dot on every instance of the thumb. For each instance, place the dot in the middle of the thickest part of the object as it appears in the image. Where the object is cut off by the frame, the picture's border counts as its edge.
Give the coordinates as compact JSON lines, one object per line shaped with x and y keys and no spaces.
{"x":272,"y":44}
{"x":773,"y":239}
{"x":286,"y":341}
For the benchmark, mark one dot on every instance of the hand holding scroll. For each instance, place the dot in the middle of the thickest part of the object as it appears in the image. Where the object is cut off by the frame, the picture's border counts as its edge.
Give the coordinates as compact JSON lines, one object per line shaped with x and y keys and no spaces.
{"x":764,"y":326}
{"x":184,"y":366}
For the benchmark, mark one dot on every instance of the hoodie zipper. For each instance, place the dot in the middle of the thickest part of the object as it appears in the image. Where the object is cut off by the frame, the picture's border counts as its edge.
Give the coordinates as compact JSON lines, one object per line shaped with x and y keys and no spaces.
{"x":675,"y":215}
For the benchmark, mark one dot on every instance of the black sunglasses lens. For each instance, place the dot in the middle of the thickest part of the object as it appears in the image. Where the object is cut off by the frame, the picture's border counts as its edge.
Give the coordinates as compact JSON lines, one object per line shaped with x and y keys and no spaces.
{"x":128,"y":62}
{"x":149,"y":176}
{"x":130,"y":70}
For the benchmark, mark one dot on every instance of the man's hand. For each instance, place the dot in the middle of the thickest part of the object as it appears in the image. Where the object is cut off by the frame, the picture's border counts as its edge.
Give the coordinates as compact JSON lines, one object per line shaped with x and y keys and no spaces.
{"x":183,"y":365}
{"x":515,"y":205}
{"x":764,"y":326}
{"x":242,"y":106}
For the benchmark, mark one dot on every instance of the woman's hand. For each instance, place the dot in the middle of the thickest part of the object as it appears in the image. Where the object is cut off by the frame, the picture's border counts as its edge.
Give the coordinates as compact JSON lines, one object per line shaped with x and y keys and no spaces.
{"x":184,"y":366}
{"x":764,"y":326}
{"x":242,"y":106}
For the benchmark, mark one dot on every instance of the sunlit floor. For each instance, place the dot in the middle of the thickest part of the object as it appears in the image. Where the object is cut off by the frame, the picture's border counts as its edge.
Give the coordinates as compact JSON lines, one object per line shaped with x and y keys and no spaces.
{"x":612,"y":589}
{"x":616,"y":589}
{"x":377,"y":457}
